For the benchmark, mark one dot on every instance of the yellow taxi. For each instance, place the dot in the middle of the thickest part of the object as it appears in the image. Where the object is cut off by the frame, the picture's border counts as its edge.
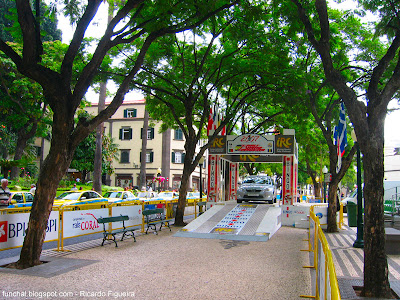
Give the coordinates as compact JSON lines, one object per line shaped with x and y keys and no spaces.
{"x":118,"y":196}
{"x":21,"y":197}
{"x":79,"y":197}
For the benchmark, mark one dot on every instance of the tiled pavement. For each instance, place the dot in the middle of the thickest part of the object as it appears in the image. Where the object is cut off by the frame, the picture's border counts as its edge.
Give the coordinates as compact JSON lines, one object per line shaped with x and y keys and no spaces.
{"x":349,"y":262}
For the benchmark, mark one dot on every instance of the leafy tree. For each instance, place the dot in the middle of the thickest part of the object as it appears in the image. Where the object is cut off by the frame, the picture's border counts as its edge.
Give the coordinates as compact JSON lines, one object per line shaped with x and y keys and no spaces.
{"x":84,"y":155}
{"x":22,"y":100}
{"x":9,"y":24}
{"x":379,"y":81}
{"x":64,"y":87}
{"x":23,"y":110}
{"x":213,"y":65}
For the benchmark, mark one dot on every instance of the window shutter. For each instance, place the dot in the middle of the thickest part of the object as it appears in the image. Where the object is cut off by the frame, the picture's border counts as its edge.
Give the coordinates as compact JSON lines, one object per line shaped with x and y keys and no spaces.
{"x":125,"y":113}
{"x":134,"y":113}
{"x":140,"y":157}
{"x":141,"y":133}
{"x":151,"y":156}
{"x":152,"y":133}
{"x":173,"y":157}
{"x":183,"y":157}
{"x":130,"y":133}
{"x":120,"y":134}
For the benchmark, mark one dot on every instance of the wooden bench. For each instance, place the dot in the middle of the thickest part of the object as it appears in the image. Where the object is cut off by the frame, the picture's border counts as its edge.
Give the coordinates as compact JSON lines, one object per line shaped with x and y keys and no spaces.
{"x":125,"y":231}
{"x":153,"y":217}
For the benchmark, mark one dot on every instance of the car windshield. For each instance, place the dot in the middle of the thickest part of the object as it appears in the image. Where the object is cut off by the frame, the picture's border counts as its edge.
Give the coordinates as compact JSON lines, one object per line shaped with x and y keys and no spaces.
{"x":112,"y":195}
{"x":142,"y":194}
{"x":165,"y":195}
{"x":353,"y":194}
{"x":69,"y":196}
{"x":258,"y":180}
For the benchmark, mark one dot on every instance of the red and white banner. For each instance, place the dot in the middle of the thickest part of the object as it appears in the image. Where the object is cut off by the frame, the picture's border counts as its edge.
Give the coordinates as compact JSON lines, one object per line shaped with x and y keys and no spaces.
{"x":288,"y":186}
{"x":213,"y":178}
{"x":233,"y":180}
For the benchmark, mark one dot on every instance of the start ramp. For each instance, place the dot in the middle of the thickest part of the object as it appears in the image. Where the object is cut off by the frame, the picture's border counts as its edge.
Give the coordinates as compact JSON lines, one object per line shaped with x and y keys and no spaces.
{"x":232,"y":221}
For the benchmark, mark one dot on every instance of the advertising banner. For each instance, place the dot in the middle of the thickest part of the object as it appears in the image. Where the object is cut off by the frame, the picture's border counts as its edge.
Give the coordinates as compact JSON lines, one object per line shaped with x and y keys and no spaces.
{"x":213,"y":175}
{"x":287,"y":187}
{"x":292,"y":214}
{"x":134,"y":212}
{"x":81,"y":222}
{"x":233,"y":176}
{"x":250,"y":144}
{"x":13,"y":226}
{"x":322,"y":213}
{"x":218,"y":146}
{"x":284,"y":144}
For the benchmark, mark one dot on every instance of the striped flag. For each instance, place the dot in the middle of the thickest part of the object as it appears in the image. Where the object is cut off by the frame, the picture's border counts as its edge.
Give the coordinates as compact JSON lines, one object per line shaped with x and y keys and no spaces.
{"x":340,"y":136}
{"x":214,"y":120}
{"x":210,"y":121}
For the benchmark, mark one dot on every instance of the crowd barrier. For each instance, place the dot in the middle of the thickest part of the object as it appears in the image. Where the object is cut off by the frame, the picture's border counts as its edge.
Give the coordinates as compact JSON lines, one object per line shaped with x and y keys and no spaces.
{"x":79,"y":220}
{"x":326,"y":284}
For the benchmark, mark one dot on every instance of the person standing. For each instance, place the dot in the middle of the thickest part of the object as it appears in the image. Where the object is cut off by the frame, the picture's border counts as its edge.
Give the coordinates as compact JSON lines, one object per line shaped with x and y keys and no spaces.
{"x":5,"y":193}
{"x":33,"y":189}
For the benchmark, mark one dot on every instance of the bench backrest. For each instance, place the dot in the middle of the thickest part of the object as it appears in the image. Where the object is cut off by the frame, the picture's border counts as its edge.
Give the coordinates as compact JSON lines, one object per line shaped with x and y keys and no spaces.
{"x":112,"y":219}
{"x":154,"y":211}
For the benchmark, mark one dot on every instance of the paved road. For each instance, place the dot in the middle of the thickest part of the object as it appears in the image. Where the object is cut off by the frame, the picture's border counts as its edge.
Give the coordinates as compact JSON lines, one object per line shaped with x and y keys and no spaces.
{"x":167,"y":267}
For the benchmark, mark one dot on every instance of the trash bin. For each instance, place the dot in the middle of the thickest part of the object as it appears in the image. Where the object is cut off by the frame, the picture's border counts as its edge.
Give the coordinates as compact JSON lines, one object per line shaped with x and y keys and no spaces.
{"x":352,"y":214}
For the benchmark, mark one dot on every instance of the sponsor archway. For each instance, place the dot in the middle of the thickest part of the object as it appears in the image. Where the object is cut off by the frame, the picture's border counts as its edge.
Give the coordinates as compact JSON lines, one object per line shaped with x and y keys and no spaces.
{"x":228,"y":151}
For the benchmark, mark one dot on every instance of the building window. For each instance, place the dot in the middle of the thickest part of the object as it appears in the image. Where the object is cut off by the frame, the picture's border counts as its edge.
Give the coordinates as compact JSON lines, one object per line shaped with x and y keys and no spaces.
{"x":149,"y":156}
{"x":125,"y":156}
{"x":178,"y":134}
{"x":38,"y":151}
{"x":178,"y":157}
{"x":130,"y":113}
{"x":150,"y":133}
{"x":125,"y":133}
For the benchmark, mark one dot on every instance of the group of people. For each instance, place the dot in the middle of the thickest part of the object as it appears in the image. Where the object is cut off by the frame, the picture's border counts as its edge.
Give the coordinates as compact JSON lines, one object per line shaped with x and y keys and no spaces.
{"x":5,"y":193}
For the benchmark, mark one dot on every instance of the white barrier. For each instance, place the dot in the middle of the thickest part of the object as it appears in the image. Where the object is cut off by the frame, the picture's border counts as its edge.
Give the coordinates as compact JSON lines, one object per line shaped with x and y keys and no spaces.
{"x":13,"y":226}
{"x":297,"y":215}
{"x":326,"y":284}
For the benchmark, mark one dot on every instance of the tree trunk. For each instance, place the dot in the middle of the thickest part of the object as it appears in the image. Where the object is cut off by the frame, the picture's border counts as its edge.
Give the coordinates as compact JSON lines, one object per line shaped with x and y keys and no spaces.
{"x":376,"y":283}
{"x":332,"y":207}
{"x":188,"y":168}
{"x":98,"y":155}
{"x":60,"y":155}
{"x":180,"y":210}
{"x":142,"y":176}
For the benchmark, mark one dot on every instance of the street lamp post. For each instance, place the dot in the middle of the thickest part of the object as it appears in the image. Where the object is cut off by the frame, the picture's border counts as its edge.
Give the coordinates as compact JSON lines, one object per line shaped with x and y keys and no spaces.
{"x":325,"y":171}
{"x":359,"y":242}
{"x":201,"y":161}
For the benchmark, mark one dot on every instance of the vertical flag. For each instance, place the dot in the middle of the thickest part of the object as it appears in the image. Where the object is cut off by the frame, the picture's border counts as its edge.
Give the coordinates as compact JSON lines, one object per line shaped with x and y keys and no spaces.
{"x":340,"y":136}
{"x":210,"y":121}
{"x":214,"y":120}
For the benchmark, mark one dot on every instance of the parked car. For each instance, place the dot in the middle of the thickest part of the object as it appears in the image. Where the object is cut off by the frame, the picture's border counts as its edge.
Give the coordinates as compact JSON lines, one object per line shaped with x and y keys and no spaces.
{"x":168,"y":195}
{"x":79,"y":197}
{"x":257,"y":188}
{"x":21,"y":197}
{"x":196,"y":195}
{"x":118,"y":196}
{"x":148,"y":195}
